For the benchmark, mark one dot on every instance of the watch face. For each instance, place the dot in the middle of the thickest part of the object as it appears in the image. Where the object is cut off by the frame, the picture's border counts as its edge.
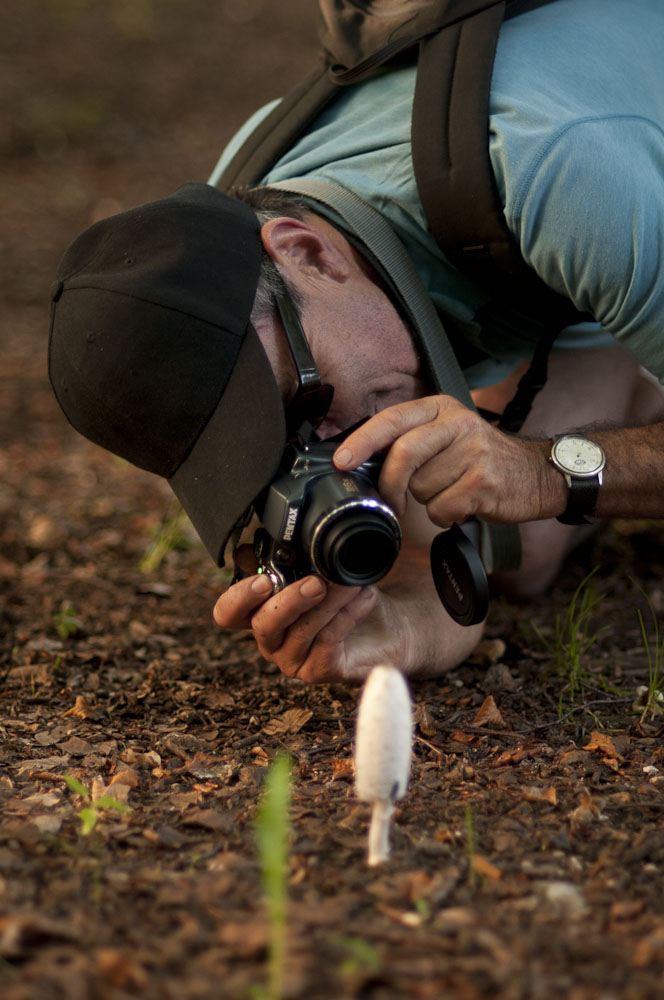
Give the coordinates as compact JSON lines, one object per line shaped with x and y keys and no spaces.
{"x":578,"y":455}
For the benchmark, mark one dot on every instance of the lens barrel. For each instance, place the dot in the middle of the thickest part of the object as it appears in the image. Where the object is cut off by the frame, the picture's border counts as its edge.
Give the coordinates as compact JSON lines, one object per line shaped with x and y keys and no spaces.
{"x":357,"y":549}
{"x":352,"y":537}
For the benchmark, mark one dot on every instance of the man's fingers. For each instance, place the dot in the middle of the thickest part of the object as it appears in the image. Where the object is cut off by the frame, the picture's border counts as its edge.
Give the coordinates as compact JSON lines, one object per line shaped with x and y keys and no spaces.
{"x":325,"y":659}
{"x":414,"y":433}
{"x":302,"y":627}
{"x":384,"y":428}
{"x":271,"y":623}
{"x":420,"y":456}
{"x":290,"y":622}
{"x":236,"y":605}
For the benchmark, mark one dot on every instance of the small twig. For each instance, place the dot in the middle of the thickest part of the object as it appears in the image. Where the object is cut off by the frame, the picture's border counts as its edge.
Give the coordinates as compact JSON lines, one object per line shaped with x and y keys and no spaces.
{"x":340,"y":740}
{"x":57,"y":779}
{"x":247,"y":741}
{"x":418,"y":739}
{"x":513,"y":733}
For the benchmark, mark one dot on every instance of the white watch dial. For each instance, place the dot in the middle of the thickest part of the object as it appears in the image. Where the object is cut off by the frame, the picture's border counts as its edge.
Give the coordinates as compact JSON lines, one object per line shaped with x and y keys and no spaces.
{"x":578,"y":456}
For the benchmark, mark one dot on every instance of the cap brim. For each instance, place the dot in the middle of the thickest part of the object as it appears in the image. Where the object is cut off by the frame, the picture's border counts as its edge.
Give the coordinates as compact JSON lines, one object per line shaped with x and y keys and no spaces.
{"x":238,"y":452}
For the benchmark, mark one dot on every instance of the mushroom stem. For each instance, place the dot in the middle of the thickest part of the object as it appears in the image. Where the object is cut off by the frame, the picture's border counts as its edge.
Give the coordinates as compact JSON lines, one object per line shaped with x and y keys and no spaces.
{"x":379,"y":831}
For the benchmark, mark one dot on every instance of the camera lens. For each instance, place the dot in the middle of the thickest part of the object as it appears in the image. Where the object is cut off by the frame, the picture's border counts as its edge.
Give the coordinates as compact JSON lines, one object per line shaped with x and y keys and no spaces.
{"x":357,"y":549}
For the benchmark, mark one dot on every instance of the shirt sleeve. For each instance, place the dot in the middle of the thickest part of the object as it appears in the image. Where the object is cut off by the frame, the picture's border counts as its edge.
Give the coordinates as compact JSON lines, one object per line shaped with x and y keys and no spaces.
{"x":588,"y":213}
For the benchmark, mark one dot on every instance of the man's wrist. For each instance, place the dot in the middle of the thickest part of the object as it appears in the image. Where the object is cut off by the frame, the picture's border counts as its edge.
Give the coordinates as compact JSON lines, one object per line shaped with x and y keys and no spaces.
{"x":580,"y":462}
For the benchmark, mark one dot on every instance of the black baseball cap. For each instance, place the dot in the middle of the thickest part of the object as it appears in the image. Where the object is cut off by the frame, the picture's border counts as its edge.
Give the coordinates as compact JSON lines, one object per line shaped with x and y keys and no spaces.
{"x":152,"y":354}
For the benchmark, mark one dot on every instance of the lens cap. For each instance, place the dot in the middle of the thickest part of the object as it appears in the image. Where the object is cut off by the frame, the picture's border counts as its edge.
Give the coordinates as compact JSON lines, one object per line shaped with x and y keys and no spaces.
{"x":459,"y":577}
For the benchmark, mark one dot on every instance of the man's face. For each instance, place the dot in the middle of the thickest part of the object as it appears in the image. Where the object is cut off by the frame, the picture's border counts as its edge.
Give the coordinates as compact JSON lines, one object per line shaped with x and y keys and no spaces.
{"x":360,"y":343}
{"x":361,"y":346}
{"x":371,"y":361}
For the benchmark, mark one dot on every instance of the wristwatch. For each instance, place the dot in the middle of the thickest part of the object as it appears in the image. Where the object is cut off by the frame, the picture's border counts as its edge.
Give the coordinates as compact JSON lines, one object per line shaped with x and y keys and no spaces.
{"x":581,"y":462}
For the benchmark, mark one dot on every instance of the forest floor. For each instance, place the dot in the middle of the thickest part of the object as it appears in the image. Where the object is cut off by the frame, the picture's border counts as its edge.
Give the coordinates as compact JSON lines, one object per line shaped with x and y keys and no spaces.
{"x":528,"y":853}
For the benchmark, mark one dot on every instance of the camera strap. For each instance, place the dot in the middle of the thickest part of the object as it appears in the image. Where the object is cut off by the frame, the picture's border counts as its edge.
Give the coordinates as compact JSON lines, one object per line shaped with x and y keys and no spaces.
{"x":500,"y":544}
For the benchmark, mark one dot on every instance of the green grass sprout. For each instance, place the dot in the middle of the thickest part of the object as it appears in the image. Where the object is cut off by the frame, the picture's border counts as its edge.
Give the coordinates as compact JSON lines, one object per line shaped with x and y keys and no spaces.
{"x":655,"y":653}
{"x":362,"y":959}
{"x":91,"y":813}
{"x":574,"y":635}
{"x":65,"y":621}
{"x":170,"y":535}
{"x":272,"y":830}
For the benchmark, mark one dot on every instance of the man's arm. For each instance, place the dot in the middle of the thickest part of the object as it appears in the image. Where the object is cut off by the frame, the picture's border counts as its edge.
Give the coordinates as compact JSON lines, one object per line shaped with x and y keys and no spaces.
{"x":459,"y":466}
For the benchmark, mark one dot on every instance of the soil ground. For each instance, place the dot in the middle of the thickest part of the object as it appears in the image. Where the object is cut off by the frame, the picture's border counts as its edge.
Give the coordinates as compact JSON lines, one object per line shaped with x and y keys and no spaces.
{"x":528,"y":856}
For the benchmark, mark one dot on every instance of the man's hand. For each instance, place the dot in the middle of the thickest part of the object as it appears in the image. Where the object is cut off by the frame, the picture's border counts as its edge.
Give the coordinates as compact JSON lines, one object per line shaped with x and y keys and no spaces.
{"x":325,"y":633}
{"x":311,"y":630}
{"x":456,"y":464}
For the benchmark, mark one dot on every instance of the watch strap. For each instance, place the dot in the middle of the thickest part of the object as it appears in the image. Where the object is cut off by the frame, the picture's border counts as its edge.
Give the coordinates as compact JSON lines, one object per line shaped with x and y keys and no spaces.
{"x":583,"y":494}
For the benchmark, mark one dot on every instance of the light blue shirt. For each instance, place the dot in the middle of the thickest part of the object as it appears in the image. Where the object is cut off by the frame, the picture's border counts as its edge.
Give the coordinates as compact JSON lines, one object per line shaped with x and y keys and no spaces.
{"x":577,"y":148}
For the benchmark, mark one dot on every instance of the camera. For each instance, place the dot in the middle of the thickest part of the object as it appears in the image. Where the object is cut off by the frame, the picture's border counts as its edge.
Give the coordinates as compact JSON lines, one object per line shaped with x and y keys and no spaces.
{"x":316,"y":519}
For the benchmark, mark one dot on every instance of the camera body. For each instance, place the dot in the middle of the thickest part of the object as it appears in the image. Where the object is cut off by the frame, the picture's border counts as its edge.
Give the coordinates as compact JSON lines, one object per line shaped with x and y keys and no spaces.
{"x":319,"y":520}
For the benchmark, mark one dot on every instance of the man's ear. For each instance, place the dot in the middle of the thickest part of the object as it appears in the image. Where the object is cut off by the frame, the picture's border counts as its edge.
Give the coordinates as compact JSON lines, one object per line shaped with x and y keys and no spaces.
{"x":302,"y":250}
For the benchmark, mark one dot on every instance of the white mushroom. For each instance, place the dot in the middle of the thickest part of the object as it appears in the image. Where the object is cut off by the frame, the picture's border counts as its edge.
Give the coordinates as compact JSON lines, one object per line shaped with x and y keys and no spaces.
{"x":383,"y":742}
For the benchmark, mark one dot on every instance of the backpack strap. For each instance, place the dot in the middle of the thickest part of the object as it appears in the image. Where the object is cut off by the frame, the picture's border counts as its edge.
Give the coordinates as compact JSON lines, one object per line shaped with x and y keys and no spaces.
{"x":455,"y":180}
{"x":356,"y":40}
{"x":457,"y":188}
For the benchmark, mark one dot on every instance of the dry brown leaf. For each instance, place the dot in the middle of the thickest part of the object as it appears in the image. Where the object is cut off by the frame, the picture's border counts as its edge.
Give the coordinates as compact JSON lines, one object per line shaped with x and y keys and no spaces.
{"x":485,"y":867}
{"x":459,"y":737}
{"x":626,"y":909}
{"x":649,"y":949}
{"x":355,"y":819}
{"x":535,"y":794}
{"x":183,"y":745}
{"x":205,"y":787}
{"x":81,"y":708}
{"x":489,"y":714}
{"x":603,"y":743}
{"x":119,"y":792}
{"x":218,"y":699}
{"x":612,"y":763}
{"x":291,"y":721}
{"x":513,"y":756}
{"x":131,"y":757}
{"x":245,"y":940}
{"x":182,"y":800}
{"x":77,"y":747}
{"x":260,"y":756}
{"x":138,"y":631}
{"x":33,"y":673}
{"x":8,"y":570}
{"x":120,"y":970}
{"x":210,"y":819}
{"x":342,"y":767}
{"x":205,"y":767}
{"x":574,"y":757}
{"x":585,"y":813}
{"x":49,"y":823}
{"x":424,"y":721}
{"x":455,"y":918}
{"x":127,"y":777}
